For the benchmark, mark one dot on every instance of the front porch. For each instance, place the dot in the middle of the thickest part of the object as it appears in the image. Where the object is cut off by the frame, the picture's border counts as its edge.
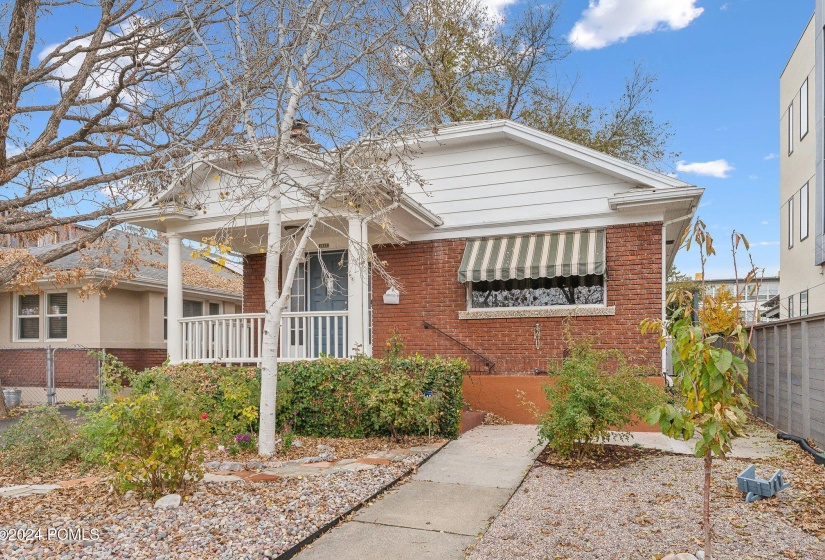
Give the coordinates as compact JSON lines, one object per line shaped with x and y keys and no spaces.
{"x":238,"y":338}
{"x":328,"y":312}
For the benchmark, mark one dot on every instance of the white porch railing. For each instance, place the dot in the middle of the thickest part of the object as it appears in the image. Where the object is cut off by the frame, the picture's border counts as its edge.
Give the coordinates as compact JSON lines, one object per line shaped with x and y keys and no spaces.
{"x":238,"y":339}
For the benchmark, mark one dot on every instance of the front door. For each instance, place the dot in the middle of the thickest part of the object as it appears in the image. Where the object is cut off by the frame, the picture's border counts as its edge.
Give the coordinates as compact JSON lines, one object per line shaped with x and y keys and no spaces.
{"x":328,"y":292}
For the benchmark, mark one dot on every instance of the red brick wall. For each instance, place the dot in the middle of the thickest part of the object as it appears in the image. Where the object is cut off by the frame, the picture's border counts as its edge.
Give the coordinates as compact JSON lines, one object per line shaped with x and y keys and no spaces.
{"x":73,"y":368}
{"x":427,"y":272}
{"x":23,"y":368}
{"x":253,"y":283}
{"x":139,"y":359}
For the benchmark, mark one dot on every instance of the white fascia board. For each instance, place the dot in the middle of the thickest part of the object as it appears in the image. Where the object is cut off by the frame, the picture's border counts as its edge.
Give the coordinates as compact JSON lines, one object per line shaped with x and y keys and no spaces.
{"x":541,"y":225}
{"x":645,"y":197}
{"x":420,"y":212}
{"x":142,"y":282}
{"x":555,"y":145}
{"x":148,"y":217}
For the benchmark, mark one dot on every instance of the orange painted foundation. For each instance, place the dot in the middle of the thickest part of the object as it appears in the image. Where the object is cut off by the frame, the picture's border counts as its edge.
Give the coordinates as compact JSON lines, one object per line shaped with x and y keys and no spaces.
{"x":518,"y":397}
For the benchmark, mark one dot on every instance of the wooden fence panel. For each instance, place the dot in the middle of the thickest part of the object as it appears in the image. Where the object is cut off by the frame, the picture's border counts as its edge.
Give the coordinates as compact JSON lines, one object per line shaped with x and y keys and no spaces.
{"x":787,"y":381}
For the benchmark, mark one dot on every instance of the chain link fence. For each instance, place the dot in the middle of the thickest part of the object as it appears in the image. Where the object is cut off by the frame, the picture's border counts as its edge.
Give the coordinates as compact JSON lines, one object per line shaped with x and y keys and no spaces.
{"x":49,"y":375}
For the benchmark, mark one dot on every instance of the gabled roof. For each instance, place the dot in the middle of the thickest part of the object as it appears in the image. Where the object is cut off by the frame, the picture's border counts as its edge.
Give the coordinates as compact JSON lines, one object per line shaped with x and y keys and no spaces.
{"x":553,"y":145}
{"x":198,"y":273}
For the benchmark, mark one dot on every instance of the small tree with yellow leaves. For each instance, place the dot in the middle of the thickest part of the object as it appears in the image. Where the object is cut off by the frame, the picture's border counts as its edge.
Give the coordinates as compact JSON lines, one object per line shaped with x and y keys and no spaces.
{"x":709,"y":361}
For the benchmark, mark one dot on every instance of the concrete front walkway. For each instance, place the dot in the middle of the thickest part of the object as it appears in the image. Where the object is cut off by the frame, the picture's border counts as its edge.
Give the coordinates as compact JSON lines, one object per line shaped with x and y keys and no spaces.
{"x":444,"y":508}
{"x":760,"y":443}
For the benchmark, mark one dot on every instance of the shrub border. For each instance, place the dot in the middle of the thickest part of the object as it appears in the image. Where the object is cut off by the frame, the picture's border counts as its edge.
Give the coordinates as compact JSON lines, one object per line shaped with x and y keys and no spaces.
{"x":318,"y":533}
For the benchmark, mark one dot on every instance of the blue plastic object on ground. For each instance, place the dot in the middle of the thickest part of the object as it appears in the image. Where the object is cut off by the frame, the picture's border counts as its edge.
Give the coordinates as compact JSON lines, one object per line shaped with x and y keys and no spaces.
{"x":757,"y":488}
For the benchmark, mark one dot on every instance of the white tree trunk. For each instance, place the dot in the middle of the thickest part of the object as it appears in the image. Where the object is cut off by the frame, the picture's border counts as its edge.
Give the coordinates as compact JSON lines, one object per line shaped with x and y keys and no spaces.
{"x":273,"y":307}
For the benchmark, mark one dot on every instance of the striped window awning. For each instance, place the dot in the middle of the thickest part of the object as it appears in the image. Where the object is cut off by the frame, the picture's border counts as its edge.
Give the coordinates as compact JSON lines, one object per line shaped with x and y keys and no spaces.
{"x":544,"y":255}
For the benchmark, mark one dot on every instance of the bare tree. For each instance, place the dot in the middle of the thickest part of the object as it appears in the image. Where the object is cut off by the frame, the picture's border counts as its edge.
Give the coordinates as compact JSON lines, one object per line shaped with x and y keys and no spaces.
{"x":97,"y":119}
{"x":471,"y":63}
{"x":486,"y":65}
{"x":334,"y":70}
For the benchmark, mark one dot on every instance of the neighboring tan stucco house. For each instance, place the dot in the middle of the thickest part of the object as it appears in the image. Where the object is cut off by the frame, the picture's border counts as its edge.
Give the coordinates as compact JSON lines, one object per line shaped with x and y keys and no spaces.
{"x":127,"y":320}
{"x":514,"y":231}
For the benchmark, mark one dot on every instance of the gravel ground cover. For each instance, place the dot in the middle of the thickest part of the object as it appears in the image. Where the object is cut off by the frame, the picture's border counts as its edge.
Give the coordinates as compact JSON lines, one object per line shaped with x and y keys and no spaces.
{"x":644,"y":504}
{"x":232,"y":520}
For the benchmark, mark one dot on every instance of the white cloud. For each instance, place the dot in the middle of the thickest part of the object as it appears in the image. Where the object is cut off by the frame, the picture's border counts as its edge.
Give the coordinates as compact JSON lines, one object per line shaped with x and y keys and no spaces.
{"x":606,"y":22}
{"x":753,"y":177}
{"x":497,"y":7}
{"x":725,"y":7}
{"x":104,"y":77}
{"x":764,"y":243}
{"x":717,"y":168}
{"x":12,"y":150}
{"x":765,"y":222}
{"x":771,"y":156}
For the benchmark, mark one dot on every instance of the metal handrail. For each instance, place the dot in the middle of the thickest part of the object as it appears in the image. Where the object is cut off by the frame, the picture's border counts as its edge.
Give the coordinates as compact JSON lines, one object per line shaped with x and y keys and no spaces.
{"x":487,"y":361}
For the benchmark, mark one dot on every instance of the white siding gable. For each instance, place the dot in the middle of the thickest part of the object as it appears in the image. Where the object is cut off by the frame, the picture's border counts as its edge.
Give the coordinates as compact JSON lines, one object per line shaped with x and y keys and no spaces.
{"x":505,"y":182}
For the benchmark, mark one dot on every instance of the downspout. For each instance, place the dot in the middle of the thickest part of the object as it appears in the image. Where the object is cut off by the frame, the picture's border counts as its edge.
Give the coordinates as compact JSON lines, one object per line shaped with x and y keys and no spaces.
{"x":665,"y":372}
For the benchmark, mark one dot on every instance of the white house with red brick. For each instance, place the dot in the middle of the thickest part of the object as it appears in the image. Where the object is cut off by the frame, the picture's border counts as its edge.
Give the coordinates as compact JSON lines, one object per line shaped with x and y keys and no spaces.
{"x":514,"y":231}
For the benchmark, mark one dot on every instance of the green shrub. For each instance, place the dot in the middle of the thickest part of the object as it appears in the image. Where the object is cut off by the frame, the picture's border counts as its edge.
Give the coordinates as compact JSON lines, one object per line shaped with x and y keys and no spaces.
{"x":39,"y":443}
{"x":591,"y":393}
{"x":327,"y":397}
{"x":151,"y":439}
{"x":230,"y":395}
{"x":370,"y":396}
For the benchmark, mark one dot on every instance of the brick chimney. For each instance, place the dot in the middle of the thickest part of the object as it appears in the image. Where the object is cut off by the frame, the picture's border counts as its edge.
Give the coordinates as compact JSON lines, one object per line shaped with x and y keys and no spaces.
{"x":300,"y":132}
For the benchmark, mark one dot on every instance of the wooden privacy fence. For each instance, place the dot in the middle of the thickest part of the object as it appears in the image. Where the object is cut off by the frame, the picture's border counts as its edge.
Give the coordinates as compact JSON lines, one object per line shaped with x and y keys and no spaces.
{"x":787,"y":381}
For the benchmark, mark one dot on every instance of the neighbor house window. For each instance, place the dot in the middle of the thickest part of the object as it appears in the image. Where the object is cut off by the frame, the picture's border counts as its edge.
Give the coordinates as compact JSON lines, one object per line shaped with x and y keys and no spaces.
{"x":538,"y":292}
{"x":790,"y":129}
{"x":790,"y":223}
{"x":803,"y":303}
{"x":790,"y":306}
{"x":214,"y":308}
{"x":803,"y":212}
{"x":803,"y":110}
{"x":28,"y":317}
{"x":190,"y":309}
{"x":57,"y":316}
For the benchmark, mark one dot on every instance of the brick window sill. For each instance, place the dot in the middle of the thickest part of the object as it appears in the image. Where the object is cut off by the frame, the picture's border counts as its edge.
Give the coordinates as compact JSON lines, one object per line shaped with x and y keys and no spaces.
{"x":515,"y":313}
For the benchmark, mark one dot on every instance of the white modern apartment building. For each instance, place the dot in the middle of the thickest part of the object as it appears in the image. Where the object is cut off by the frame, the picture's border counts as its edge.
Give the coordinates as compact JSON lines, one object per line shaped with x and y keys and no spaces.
{"x":802,"y":236}
{"x":750,"y":302}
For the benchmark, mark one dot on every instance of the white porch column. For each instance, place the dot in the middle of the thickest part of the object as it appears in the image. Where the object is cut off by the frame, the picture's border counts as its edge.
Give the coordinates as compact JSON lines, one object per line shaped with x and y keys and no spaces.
{"x":174,"y":297}
{"x":358,"y":287}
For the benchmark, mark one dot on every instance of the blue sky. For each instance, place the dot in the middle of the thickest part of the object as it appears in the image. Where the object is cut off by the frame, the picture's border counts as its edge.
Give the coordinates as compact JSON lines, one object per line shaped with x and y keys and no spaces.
{"x":718,"y":63}
{"x":718,"y":87}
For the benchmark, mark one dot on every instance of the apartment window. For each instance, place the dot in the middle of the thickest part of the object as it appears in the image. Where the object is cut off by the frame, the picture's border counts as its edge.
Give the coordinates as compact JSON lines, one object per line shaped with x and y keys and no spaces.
{"x":803,"y":110}
{"x":28,"y":317}
{"x":538,"y":292}
{"x":790,"y":307}
{"x":803,"y":303}
{"x":790,"y":129}
{"x":790,"y":223}
{"x":214,"y":308}
{"x":803,"y":212}
{"x":57,"y":316}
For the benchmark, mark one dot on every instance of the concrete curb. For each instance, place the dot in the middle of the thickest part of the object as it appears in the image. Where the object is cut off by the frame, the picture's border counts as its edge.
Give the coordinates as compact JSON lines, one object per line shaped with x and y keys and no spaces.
{"x":296,"y":548}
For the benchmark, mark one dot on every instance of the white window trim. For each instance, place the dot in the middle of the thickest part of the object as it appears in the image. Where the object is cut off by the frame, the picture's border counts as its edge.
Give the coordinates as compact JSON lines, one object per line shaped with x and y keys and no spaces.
{"x":807,"y":304}
{"x":790,"y":222}
{"x":791,"y":304}
{"x":804,"y":211}
{"x":17,"y":317}
{"x":790,"y":129}
{"x":803,"y":110}
{"x":45,"y":308}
